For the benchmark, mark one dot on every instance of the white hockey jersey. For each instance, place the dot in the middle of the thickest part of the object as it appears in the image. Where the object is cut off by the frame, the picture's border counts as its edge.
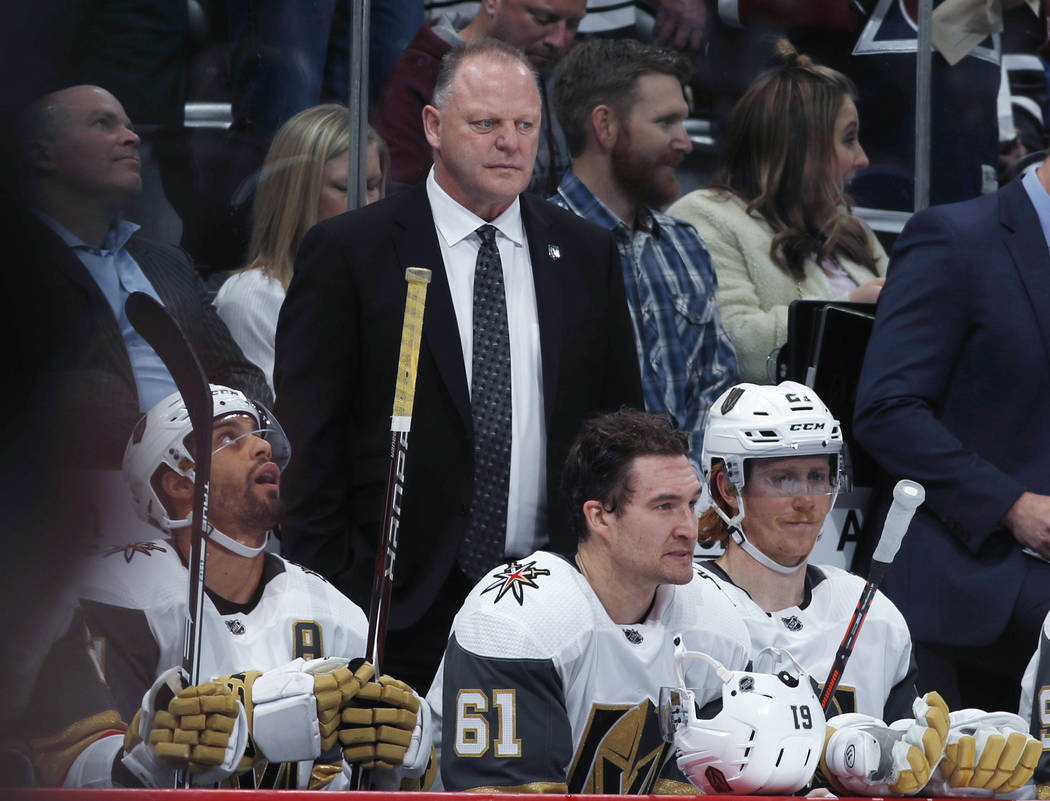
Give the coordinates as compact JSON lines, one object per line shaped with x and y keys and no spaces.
{"x":143,"y":588}
{"x":879,"y":679}
{"x":133,"y":602}
{"x":1035,"y":706}
{"x":540,"y":689}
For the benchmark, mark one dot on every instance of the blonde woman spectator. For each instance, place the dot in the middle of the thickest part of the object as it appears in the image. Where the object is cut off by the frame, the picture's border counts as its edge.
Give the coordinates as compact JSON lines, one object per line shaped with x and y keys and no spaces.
{"x":777,"y":219}
{"x":303,"y":181}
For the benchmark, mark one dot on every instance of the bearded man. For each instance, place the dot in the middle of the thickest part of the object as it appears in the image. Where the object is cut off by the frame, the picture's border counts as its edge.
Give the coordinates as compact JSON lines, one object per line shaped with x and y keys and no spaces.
{"x":622,"y":107}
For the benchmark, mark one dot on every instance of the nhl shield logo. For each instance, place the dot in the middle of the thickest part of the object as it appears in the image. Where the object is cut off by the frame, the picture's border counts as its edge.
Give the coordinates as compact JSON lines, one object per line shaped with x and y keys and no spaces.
{"x":633,"y":636}
{"x":235,"y":626}
{"x":791,"y":623}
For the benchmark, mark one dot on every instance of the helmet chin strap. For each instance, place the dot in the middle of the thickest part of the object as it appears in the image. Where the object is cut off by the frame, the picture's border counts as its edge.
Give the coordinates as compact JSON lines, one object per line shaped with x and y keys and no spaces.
{"x":225,"y":541}
{"x":761,"y":558}
{"x":736,"y":531}
{"x":232,"y":545}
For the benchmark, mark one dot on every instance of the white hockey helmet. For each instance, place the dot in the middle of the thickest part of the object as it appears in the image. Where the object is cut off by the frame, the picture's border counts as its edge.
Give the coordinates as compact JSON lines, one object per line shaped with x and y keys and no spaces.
{"x":161,"y":436}
{"x":752,"y":421}
{"x":766,"y":737}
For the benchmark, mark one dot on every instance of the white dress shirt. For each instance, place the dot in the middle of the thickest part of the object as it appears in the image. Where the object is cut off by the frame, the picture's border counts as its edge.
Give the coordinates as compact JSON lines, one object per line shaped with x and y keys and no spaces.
{"x":456,"y":226}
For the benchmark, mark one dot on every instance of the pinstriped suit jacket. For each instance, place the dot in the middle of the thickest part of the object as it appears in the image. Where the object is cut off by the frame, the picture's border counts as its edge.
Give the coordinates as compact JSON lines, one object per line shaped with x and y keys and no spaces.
{"x":93,"y":372}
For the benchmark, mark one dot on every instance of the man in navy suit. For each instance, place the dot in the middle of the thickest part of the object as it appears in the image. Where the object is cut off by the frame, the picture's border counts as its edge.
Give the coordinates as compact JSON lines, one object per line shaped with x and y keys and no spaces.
{"x":955,"y":393}
{"x":571,"y":355}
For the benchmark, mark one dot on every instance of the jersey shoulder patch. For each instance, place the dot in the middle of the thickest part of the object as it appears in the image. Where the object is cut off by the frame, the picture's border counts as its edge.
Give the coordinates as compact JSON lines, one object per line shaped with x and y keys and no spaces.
{"x":513,"y":579}
{"x":531,"y":607}
{"x":138,"y":575}
{"x":130,"y":550}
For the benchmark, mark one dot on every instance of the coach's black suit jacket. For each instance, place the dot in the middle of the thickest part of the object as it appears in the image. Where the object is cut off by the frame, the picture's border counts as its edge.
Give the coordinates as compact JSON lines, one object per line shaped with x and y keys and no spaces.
{"x":955,"y":393}
{"x":93,"y":371}
{"x":337,"y":350}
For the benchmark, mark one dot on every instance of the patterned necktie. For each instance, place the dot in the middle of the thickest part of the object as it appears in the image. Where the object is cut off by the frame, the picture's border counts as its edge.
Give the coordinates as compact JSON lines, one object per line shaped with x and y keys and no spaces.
{"x":483,"y":545}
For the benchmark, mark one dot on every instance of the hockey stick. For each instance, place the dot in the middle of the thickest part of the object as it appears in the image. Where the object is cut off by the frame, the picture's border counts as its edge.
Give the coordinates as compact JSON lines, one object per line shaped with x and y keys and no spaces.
{"x":907,"y":496}
{"x":400,"y":424}
{"x":159,"y":329}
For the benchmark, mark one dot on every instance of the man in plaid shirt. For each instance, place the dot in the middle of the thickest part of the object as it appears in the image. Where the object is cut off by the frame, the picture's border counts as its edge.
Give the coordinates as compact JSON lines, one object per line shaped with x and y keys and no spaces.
{"x":622,"y":108}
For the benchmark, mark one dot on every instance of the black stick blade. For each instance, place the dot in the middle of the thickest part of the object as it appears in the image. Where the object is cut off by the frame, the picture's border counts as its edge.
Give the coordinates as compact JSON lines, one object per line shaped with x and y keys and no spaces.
{"x":164,"y":335}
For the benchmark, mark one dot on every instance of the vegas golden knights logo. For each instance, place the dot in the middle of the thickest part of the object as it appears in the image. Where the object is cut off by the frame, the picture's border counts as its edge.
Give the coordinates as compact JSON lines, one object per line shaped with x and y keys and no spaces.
{"x":621,"y":751}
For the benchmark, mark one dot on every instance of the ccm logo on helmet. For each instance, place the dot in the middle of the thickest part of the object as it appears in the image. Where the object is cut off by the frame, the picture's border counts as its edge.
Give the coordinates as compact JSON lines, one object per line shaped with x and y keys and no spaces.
{"x":806,"y":426}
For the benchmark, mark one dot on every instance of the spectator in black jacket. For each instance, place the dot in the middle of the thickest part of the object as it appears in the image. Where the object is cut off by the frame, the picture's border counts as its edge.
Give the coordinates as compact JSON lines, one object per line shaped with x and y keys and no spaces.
{"x":82,"y":154}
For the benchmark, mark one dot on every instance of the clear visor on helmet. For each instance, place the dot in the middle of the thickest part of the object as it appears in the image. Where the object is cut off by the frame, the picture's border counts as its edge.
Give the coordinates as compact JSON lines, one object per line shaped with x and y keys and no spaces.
{"x":797,"y":476}
{"x":234,"y":430}
{"x":672,"y":713}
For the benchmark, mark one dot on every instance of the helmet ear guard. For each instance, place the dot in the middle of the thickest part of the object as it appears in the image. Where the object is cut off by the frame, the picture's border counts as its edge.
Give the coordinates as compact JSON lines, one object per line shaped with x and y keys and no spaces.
{"x":766,"y":736}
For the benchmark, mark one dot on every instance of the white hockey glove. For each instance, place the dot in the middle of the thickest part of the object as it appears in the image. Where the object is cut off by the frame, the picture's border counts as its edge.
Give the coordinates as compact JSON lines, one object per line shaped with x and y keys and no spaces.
{"x":864,"y":756}
{"x":987,"y":753}
{"x":382,"y":727}
{"x":297,"y":706}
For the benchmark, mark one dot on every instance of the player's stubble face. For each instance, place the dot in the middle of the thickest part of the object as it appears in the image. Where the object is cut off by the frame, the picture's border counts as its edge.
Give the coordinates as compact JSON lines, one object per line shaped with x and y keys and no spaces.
{"x":245,"y":488}
{"x":654,"y":536}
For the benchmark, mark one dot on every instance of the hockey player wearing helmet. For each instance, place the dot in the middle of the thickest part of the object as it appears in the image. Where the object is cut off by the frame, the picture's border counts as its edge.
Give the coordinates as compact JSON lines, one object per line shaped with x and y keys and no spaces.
{"x":262,"y":720}
{"x":774,"y":461}
{"x":553,"y":670}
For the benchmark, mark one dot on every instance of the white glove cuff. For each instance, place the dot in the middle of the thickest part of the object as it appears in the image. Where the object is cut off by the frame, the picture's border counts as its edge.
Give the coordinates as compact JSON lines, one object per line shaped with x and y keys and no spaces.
{"x":418,"y":754}
{"x":147,"y":767}
{"x":234,"y":751}
{"x":853,"y":756}
{"x":142,"y":761}
{"x":284,"y":718}
{"x":93,"y":767}
{"x":416,"y":759}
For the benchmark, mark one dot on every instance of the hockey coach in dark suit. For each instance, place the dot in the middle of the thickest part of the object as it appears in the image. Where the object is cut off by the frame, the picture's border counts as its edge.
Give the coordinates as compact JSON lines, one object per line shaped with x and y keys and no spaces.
{"x":81,"y":154}
{"x":526,"y":333}
{"x":955,"y":393}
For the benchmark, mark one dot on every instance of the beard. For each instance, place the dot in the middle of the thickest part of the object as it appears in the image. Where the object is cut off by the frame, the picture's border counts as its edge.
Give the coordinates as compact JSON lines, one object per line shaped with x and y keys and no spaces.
{"x":246,"y":506}
{"x":637,"y":177}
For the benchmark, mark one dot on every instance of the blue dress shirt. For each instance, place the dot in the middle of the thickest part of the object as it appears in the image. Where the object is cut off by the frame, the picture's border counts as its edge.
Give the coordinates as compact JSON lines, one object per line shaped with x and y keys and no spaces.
{"x":118,"y":275}
{"x":1040,"y":199}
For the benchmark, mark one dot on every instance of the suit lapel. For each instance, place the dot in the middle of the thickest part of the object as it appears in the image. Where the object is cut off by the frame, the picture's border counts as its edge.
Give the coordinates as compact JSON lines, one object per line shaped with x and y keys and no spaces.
{"x":71,"y":266}
{"x":105,"y":332}
{"x":1023,"y":235}
{"x":416,"y":244}
{"x":544,"y":251}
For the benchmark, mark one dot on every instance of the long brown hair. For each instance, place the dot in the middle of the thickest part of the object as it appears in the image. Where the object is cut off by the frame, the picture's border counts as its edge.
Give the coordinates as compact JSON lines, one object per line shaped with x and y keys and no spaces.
{"x":711,"y":528}
{"x":777,"y":157}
